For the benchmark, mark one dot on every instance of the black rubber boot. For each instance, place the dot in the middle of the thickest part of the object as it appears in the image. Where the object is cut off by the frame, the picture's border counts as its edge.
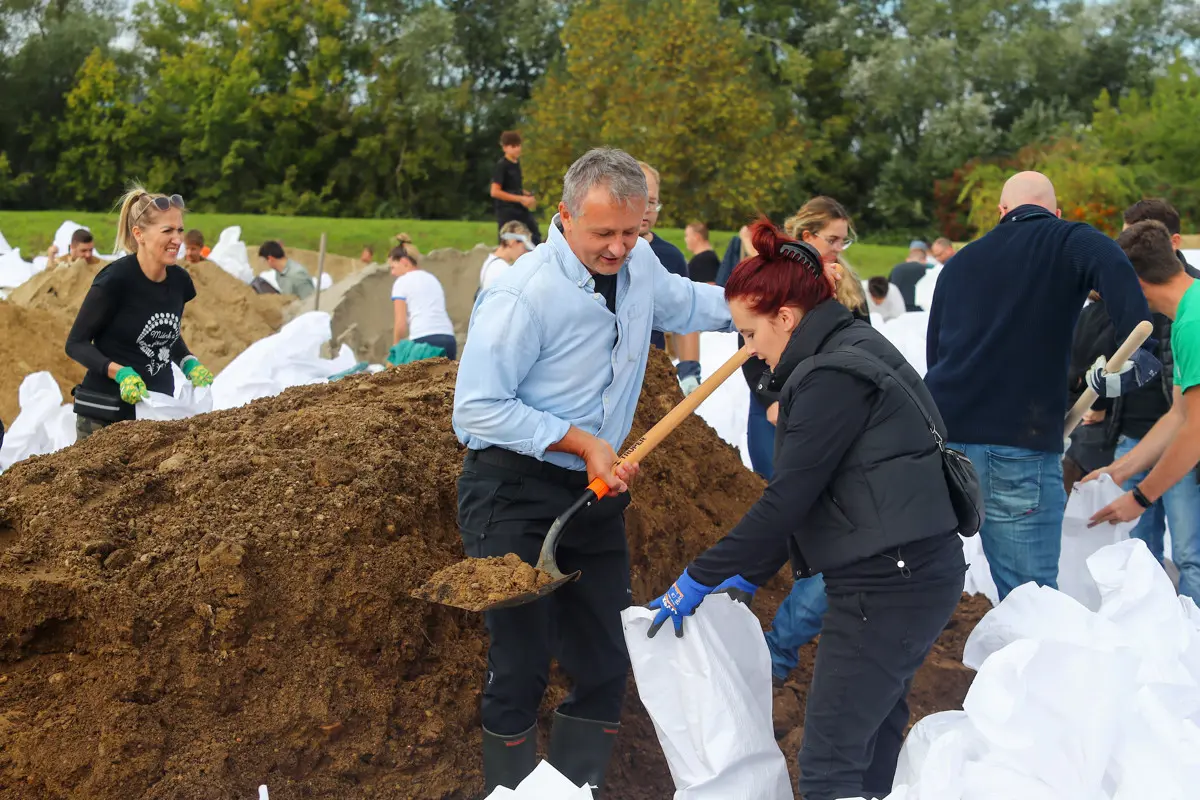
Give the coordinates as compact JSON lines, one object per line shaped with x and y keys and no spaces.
{"x":580,"y":749}
{"x":507,"y":760}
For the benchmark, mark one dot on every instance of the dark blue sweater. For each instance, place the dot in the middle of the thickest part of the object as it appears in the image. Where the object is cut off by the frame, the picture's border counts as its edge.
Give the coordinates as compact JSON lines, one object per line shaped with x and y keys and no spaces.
{"x":1004,"y":311}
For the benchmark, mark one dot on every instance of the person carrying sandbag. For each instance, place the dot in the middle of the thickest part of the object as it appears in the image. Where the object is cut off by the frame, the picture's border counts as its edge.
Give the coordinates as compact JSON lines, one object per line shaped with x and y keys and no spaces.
{"x":858,"y":493}
{"x":127,"y":332}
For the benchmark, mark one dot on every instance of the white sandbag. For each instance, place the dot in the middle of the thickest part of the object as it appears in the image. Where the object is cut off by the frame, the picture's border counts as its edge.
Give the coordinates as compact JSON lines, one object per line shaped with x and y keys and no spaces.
{"x":188,"y":401}
{"x":907,"y":334}
{"x":271,"y":277}
{"x":14,"y":270}
{"x":726,"y":409}
{"x":923,"y":291}
{"x":326,"y":281}
{"x":1079,"y":541}
{"x":4,"y":245}
{"x":544,"y":783}
{"x":979,"y":578}
{"x":44,"y":425}
{"x":291,"y":357}
{"x":229,"y":253}
{"x":709,"y":696}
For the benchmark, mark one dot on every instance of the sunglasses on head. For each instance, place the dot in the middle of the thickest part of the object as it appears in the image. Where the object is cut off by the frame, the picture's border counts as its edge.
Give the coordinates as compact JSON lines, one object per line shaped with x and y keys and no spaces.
{"x":164,"y":203}
{"x":804,"y":254}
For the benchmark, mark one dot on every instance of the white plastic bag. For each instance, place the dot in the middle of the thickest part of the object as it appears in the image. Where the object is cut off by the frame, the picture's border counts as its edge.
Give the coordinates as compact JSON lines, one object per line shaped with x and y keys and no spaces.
{"x":188,"y":401}
{"x":230,"y":254}
{"x":923,"y":291}
{"x":726,"y":409}
{"x":291,"y":357}
{"x":14,"y":270}
{"x":1079,"y":541}
{"x":544,"y":783}
{"x":44,"y":425}
{"x":4,"y":245}
{"x":709,"y":696}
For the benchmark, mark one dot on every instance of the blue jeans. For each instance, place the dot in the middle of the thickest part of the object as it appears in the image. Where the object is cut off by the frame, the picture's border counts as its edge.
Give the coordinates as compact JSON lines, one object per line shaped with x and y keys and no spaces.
{"x":760,"y":439}
{"x":443,"y":340}
{"x":1024,"y":501}
{"x":1180,"y":508}
{"x":796,"y":623}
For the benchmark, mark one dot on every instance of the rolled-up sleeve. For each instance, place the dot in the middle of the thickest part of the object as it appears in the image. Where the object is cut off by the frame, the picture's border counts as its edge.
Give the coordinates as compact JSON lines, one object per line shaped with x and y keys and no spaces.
{"x":683,"y":306}
{"x":503,"y":344}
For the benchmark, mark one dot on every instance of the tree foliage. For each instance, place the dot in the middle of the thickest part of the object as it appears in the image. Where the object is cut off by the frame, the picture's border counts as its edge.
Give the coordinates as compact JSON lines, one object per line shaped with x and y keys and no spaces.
{"x":682,"y":95}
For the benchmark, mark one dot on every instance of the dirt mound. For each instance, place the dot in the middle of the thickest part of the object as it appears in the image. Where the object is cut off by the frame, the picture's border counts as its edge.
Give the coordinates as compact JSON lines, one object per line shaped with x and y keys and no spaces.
{"x":32,"y":340}
{"x":189,"y":609}
{"x":226,"y":317}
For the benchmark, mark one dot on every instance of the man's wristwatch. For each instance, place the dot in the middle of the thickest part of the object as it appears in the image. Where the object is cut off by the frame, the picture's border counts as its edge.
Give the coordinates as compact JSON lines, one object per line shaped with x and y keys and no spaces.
{"x":1143,"y":501}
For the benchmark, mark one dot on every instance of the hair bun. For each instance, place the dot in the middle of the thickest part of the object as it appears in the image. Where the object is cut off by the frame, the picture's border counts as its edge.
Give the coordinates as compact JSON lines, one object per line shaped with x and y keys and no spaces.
{"x":404,"y":238}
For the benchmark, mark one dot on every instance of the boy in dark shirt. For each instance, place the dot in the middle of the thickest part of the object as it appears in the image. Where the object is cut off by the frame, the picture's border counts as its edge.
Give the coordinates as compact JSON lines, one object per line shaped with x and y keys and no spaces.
{"x":704,"y":265}
{"x":512,"y":202}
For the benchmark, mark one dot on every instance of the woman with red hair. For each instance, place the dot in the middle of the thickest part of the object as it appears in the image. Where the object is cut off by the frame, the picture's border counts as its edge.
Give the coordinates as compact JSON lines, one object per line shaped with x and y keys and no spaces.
{"x":858,"y":493}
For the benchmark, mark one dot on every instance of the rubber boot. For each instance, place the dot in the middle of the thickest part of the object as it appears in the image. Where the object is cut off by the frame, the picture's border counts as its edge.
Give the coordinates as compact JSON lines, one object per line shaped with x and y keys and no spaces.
{"x":507,"y":760}
{"x":581,"y":748}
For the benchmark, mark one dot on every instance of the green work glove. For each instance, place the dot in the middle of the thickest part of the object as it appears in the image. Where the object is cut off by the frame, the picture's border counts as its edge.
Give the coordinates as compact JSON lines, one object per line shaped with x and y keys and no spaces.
{"x":133,"y":388}
{"x":196,"y":372}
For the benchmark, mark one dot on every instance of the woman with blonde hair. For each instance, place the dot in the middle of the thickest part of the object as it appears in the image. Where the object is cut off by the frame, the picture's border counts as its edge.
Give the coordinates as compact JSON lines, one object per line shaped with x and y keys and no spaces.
{"x":825,"y":224}
{"x":127,"y":332}
{"x":418,"y":301}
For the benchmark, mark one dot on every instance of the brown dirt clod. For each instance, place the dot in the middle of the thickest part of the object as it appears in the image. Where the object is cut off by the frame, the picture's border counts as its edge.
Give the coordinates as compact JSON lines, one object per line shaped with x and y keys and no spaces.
{"x":245,"y":617}
{"x":475,"y":583}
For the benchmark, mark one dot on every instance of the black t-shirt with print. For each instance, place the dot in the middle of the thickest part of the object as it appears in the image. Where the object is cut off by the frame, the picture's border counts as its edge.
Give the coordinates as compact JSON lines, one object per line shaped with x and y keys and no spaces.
{"x":508,"y":175}
{"x":131,"y":320}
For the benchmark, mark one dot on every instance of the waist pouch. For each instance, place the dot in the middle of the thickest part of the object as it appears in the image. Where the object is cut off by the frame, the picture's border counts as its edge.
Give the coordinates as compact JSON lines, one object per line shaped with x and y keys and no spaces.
{"x":97,"y":405}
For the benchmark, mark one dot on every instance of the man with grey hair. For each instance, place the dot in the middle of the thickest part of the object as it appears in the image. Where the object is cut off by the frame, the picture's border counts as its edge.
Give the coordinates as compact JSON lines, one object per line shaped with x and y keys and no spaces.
{"x":547,"y":386}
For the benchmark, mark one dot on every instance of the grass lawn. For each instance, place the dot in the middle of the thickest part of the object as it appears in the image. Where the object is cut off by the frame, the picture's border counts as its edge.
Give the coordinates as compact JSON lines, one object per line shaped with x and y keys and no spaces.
{"x":32,"y":231}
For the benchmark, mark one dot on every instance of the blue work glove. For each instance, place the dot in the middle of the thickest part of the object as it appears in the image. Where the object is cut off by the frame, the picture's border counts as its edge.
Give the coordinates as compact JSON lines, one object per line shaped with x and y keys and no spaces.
{"x":685,"y":595}
{"x":1140,"y":369}
{"x":688,"y":373}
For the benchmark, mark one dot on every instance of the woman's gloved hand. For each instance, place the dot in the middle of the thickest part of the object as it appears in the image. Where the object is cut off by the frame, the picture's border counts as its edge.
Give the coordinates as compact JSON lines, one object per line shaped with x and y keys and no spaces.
{"x":133,"y":388}
{"x":196,"y":372}
{"x":685,"y":595}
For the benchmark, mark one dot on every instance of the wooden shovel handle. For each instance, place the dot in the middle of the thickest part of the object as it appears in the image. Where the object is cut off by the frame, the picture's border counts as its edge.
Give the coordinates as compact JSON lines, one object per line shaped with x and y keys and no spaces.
{"x":653,"y":437}
{"x":1136,"y":338}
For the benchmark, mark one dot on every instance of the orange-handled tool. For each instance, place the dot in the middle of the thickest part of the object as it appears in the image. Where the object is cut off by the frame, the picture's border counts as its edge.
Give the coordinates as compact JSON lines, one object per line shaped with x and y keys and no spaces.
{"x":598,"y":489}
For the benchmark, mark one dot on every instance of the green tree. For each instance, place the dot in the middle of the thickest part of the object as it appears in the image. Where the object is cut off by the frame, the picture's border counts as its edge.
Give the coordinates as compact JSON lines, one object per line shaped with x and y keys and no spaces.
{"x":675,"y":85}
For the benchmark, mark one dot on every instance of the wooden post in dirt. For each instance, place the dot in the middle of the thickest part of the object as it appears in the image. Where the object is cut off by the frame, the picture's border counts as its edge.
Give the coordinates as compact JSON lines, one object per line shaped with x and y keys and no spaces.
{"x":320,"y":273}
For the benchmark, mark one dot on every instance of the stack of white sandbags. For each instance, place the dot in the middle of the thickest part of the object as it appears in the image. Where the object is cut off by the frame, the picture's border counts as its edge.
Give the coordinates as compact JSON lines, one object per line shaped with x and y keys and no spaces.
{"x":229,"y":253}
{"x":1069,"y":702}
{"x":44,"y":425}
{"x":907,"y":333}
{"x":14,"y":271}
{"x":291,"y":357}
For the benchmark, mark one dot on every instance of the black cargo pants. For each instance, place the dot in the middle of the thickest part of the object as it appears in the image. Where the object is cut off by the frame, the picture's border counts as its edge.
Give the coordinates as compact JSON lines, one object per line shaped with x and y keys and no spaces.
{"x":506,"y":504}
{"x":871,"y":645}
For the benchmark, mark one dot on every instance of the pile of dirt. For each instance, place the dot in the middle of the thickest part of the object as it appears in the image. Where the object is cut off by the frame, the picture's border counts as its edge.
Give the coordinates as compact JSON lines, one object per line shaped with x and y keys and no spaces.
{"x":226,"y":317}
{"x":189,"y":609}
{"x":32,"y":340}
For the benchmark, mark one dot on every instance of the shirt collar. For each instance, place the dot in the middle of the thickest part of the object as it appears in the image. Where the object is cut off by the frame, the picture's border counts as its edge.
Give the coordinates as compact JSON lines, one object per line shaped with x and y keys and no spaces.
{"x":570,"y":264}
{"x":1027,"y":211}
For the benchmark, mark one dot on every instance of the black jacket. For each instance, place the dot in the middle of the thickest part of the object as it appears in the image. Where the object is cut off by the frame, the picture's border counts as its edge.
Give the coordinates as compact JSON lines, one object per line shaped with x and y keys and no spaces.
{"x":857,"y":471}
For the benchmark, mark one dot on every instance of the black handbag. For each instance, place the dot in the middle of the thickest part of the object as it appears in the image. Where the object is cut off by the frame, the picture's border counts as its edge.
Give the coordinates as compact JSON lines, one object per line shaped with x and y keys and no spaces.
{"x":96,"y":405}
{"x":962,"y":481}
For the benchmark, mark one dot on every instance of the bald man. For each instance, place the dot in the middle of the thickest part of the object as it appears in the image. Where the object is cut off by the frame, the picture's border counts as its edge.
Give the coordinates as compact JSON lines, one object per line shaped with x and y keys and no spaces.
{"x":998,"y":348}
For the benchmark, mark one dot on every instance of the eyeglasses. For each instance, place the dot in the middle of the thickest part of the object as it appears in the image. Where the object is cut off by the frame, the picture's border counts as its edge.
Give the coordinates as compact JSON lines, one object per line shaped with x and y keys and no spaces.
{"x":164,"y":203}
{"x":655,"y":207}
{"x":837,"y":242}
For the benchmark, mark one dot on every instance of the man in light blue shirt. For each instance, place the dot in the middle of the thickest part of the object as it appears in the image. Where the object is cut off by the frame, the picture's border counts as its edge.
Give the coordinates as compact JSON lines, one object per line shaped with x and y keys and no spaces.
{"x":547,"y":386}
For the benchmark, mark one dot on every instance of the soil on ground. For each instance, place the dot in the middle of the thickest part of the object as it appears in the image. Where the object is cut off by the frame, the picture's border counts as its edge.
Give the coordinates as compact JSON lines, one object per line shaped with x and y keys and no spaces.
{"x":476,"y":583}
{"x":226,"y":317}
{"x":33,"y":340}
{"x":190,"y":609}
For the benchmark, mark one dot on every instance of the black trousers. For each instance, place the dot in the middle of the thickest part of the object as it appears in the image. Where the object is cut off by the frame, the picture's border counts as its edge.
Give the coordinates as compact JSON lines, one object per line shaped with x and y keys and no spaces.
{"x":522,"y":215}
{"x":871,"y":645}
{"x":506,"y":504}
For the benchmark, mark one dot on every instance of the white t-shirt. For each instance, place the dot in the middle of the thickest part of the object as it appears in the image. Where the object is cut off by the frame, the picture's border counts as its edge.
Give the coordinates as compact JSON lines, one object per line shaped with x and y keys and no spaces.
{"x":426,"y":304}
{"x":892,"y":305}
{"x":492,"y":269}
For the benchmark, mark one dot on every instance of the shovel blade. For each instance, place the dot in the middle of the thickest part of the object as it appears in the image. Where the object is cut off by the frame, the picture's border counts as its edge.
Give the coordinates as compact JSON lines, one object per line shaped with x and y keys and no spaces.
{"x":445,"y":595}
